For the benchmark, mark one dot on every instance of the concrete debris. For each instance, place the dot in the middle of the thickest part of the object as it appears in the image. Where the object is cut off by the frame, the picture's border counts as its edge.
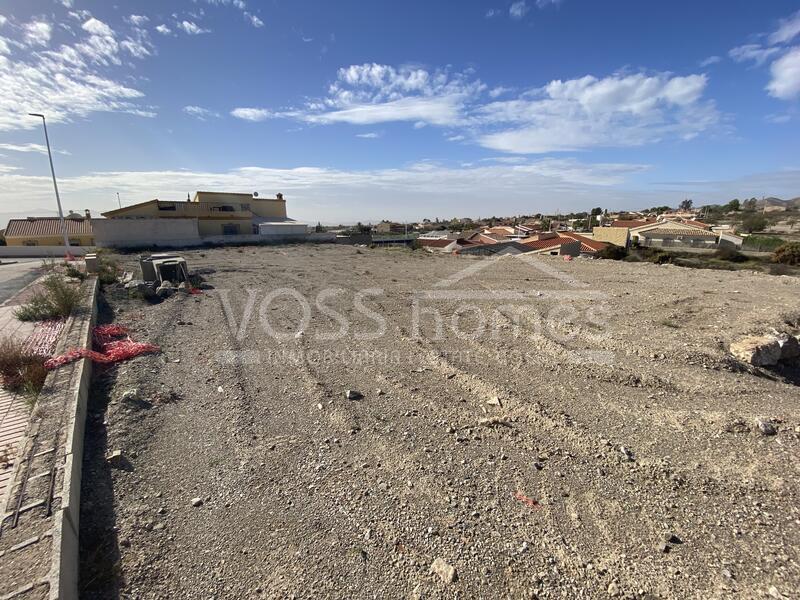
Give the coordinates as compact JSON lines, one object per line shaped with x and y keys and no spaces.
{"x":165,"y":290}
{"x":494,"y":401}
{"x":766,"y":427}
{"x":131,"y":395}
{"x":197,"y":502}
{"x":759,"y":351}
{"x":494,"y":421}
{"x":790,"y":347}
{"x":446,"y":572}
{"x":626,"y":453}
{"x":353,"y":395}
{"x":116,"y":459}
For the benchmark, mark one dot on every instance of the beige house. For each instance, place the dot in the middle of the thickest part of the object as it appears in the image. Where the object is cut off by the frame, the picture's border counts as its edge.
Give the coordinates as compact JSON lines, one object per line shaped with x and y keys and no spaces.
{"x":215,"y":217}
{"x":217,"y":213}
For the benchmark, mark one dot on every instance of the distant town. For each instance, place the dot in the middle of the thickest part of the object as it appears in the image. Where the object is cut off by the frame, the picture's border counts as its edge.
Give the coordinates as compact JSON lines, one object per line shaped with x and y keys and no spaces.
{"x":754,"y":226}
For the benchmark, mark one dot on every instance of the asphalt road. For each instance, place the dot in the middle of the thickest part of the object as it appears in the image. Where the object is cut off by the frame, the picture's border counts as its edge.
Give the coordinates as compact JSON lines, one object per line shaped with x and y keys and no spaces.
{"x":14,"y":277}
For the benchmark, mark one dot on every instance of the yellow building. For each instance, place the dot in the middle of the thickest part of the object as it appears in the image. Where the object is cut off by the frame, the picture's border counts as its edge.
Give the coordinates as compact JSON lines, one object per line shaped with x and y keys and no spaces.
{"x":46,"y":231}
{"x":217,"y":213}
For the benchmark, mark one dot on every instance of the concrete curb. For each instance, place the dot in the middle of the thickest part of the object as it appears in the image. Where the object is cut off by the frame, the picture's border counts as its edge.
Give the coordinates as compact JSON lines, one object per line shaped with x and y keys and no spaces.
{"x":66,"y":520}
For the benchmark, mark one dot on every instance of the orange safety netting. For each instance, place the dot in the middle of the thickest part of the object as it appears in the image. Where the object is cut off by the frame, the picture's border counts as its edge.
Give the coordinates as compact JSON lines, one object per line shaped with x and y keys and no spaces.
{"x":109,"y":349}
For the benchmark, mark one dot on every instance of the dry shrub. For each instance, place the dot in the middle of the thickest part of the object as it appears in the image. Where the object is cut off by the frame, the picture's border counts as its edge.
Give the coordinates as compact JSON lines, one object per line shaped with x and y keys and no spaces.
{"x":20,"y":371}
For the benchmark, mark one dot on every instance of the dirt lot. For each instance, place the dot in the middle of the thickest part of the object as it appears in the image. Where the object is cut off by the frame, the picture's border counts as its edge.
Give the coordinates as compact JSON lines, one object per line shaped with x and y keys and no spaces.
{"x":592,"y":439}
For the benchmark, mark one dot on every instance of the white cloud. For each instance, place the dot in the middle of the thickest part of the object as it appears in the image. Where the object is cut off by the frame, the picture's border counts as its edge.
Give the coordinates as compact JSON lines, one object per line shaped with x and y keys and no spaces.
{"x":254,"y":20}
{"x":37,"y":33}
{"x":711,"y":60}
{"x":788,"y":29}
{"x":67,"y":3}
{"x":137,"y":20}
{"x":200,"y":113}
{"x":498,"y":91}
{"x":251,"y":114}
{"x":97,"y":27}
{"x":518,"y":9}
{"x":545,"y":3}
{"x":752,"y":52}
{"x":371,"y":93}
{"x":192,"y":28}
{"x":4,"y":47}
{"x":163,"y":29}
{"x":63,"y":82}
{"x":325,"y":194}
{"x":372,"y":135}
{"x":785,"y":82}
{"x":38,"y":148}
{"x":135,"y":48}
{"x":3,"y":20}
{"x":620,"y":110}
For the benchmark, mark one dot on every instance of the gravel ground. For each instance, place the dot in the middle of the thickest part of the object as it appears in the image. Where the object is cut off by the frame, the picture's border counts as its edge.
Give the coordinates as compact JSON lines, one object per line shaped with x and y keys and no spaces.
{"x":595,"y":440}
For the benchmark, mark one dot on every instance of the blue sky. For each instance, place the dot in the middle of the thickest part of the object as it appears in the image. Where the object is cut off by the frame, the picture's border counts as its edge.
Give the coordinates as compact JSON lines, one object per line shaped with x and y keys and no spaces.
{"x":404,"y":110}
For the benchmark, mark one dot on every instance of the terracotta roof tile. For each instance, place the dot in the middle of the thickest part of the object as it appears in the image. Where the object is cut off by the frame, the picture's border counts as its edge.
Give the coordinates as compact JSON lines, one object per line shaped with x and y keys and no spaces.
{"x":587,"y":244}
{"x":46,"y":226}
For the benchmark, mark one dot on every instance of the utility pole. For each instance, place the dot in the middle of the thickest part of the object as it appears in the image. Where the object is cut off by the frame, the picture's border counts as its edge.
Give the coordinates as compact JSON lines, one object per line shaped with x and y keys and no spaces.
{"x":55,"y":185}
{"x":119,"y":201}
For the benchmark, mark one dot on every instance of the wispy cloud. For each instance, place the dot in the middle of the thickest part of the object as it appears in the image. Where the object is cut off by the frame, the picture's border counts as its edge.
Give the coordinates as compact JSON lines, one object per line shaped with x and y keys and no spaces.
{"x":620,"y":110}
{"x":369,"y":136}
{"x":163,"y":29}
{"x":137,"y":20}
{"x":192,"y":28}
{"x":38,"y":148}
{"x":518,"y":9}
{"x":316,"y":193}
{"x":711,"y":60}
{"x":754,"y":53}
{"x":614,"y":111}
{"x":254,"y":20}
{"x":252,"y":114}
{"x":372,"y":93}
{"x":788,"y":29}
{"x":37,"y":33}
{"x":66,"y":82}
{"x":200,"y":113}
{"x":785,"y":82}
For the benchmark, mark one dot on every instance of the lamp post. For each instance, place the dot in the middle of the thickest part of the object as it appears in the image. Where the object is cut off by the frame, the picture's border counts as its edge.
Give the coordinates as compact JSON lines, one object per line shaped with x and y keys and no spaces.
{"x":55,"y":185}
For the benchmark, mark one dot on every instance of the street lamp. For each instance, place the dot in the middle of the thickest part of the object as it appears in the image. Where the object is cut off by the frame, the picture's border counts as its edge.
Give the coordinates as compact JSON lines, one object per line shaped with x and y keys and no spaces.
{"x":55,"y":185}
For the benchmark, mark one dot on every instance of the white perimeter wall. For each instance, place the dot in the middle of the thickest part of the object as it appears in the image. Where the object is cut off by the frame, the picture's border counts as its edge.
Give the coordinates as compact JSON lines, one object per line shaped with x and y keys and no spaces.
{"x":121,"y":233}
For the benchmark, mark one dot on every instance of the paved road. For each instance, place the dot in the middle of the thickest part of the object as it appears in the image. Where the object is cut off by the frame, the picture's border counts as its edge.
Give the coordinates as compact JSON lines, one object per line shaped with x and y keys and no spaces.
{"x":13,"y":277}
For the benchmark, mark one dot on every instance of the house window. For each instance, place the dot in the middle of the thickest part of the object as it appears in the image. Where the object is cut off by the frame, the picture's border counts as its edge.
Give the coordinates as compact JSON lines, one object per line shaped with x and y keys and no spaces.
{"x":167,"y":207}
{"x":230,"y":230}
{"x":30,"y":243}
{"x":223,"y":208}
{"x":74,"y":242}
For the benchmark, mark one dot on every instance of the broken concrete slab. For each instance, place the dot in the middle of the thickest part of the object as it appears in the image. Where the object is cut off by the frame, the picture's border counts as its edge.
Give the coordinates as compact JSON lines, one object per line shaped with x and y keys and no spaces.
{"x":759,"y":351}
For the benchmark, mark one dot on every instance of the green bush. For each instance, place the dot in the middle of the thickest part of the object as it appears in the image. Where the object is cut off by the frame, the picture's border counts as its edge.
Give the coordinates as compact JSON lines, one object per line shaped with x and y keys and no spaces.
{"x":730,"y":254}
{"x":613,"y":252}
{"x":75,"y":273}
{"x":57,"y":300}
{"x":107,"y":269}
{"x":763,"y":243}
{"x":787,"y":254}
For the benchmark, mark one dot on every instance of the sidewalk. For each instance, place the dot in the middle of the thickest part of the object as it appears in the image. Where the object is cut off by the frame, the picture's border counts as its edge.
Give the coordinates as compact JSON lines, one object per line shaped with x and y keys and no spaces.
{"x":14,"y":410}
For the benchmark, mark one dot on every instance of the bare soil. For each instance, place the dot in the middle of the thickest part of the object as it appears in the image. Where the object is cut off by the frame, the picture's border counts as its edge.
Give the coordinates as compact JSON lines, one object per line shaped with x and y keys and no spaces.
{"x":594,"y":439}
